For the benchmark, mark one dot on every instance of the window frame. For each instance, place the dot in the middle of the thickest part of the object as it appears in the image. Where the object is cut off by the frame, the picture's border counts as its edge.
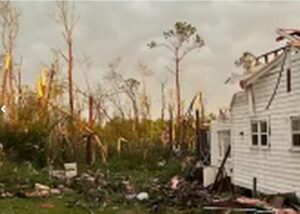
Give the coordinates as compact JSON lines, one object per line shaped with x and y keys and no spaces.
{"x":259,"y":133}
{"x":292,"y":132}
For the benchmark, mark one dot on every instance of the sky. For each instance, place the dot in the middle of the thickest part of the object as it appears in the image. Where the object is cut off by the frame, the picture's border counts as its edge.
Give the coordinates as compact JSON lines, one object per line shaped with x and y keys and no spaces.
{"x":108,"y":30}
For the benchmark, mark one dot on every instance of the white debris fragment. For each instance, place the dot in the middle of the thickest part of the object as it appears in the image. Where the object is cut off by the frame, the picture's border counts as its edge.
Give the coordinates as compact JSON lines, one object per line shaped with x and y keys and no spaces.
{"x":142,"y":196}
{"x":161,"y":163}
{"x":55,"y":191}
{"x":71,"y":170}
{"x":130,"y":196}
{"x":41,"y":187}
{"x":174,"y":182}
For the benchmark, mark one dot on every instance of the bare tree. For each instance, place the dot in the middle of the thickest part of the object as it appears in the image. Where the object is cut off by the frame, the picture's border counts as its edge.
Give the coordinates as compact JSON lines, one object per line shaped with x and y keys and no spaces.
{"x":66,"y":16}
{"x":145,"y":72}
{"x":130,"y":87}
{"x":115,"y":79}
{"x":180,"y":41}
{"x":127,"y":86}
{"x":10,"y":16}
{"x":101,"y":97}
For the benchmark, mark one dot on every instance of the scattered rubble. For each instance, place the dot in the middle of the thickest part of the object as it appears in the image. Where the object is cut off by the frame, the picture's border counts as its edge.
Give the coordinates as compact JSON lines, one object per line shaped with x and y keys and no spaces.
{"x":5,"y":194}
{"x":180,"y":192}
{"x":57,"y":174}
{"x":128,"y":186}
{"x":40,"y":190}
{"x":130,"y":196}
{"x":65,"y":190}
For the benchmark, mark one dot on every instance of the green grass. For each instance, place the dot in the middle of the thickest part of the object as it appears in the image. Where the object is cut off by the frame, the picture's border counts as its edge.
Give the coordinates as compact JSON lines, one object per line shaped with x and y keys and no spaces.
{"x":62,"y":205}
{"x":35,"y":206}
{"x":16,"y":176}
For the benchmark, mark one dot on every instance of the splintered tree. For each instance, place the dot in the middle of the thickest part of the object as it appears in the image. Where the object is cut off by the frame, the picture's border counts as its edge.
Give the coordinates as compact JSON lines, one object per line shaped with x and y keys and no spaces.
{"x":67,"y":17}
{"x":180,"y":41}
{"x":9,"y":15}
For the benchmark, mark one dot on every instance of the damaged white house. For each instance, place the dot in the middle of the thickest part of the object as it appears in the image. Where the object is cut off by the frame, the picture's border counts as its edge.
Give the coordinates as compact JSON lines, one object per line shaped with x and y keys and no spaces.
{"x":264,"y":125}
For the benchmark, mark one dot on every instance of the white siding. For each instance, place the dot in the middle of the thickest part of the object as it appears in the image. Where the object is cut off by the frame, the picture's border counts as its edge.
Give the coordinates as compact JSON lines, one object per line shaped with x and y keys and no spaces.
{"x":276,"y":168}
{"x":216,"y":126}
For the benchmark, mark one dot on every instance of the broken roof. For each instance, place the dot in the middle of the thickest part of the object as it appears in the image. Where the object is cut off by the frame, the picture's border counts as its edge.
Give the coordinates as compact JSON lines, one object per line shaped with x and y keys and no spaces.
{"x":266,"y":61}
{"x":261,"y":69}
{"x":292,"y":35}
{"x":271,"y":59}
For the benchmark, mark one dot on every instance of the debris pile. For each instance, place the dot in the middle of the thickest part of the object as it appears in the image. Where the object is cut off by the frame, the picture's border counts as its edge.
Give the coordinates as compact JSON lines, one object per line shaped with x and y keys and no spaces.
{"x":38,"y":191}
{"x":278,"y":204}
{"x":181,"y":193}
{"x":69,"y":172}
{"x":94,"y":187}
{"x":185,"y":190}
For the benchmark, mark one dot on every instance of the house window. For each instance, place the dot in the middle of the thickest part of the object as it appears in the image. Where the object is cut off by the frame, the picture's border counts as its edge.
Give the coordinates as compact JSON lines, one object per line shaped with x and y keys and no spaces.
{"x":260,"y":134}
{"x":223,"y":142}
{"x":296,"y":131}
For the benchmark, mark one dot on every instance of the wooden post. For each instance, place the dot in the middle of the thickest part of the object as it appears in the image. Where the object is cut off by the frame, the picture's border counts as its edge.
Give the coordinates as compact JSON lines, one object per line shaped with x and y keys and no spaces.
{"x":200,"y":133}
{"x":254,"y":191}
{"x":89,"y":145}
{"x":220,"y":173}
{"x":203,"y":138}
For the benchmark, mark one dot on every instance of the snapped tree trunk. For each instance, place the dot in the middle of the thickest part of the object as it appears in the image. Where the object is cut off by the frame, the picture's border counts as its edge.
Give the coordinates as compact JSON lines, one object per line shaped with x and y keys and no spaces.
{"x":171,"y":129}
{"x":7,"y":95}
{"x":198,"y":141}
{"x":136,"y":119}
{"x":4,"y":87}
{"x":163,"y":101}
{"x":178,"y":102}
{"x":89,"y":143}
{"x":70,"y":76}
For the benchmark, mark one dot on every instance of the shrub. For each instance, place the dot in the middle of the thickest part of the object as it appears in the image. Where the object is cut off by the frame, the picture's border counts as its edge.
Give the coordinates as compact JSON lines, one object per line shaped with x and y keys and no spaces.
{"x":25,"y":143}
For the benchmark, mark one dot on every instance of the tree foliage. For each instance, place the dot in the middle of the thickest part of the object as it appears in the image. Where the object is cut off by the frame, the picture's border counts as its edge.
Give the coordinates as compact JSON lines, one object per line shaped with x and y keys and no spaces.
{"x":180,"y":40}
